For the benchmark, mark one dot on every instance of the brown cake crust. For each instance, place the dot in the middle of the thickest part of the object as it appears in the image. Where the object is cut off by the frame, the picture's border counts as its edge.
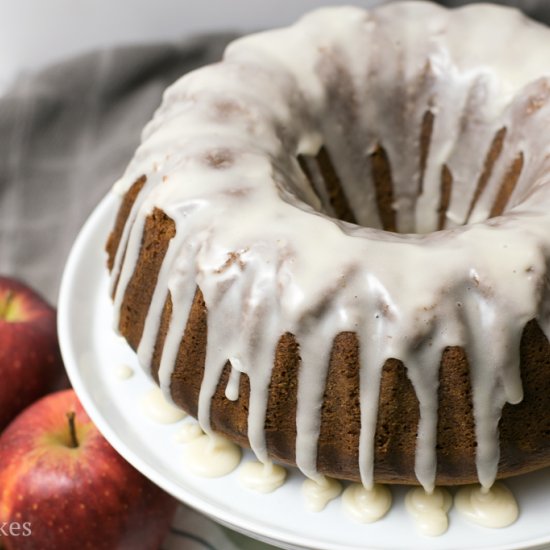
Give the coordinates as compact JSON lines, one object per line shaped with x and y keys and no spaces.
{"x":524,"y":428}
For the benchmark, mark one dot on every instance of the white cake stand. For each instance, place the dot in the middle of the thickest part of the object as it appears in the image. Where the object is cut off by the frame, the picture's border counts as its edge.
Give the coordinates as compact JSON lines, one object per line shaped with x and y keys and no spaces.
{"x":92,"y":354}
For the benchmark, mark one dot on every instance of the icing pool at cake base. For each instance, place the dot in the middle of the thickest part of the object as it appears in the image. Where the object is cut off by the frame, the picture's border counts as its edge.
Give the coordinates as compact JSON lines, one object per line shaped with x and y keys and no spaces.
{"x":93,"y":353}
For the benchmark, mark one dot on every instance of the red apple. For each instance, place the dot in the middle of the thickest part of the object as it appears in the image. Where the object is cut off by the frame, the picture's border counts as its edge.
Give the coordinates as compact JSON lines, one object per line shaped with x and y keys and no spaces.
{"x":30,"y":361}
{"x":64,"y":487}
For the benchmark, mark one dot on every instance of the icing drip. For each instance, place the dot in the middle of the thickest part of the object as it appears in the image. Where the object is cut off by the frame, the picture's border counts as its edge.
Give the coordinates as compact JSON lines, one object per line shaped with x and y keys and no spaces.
{"x":189,"y":432}
{"x":429,"y":509}
{"x":124,"y":372}
{"x":158,"y":409}
{"x":494,"y":508}
{"x":232,"y":389}
{"x":314,"y":350}
{"x":212,"y":456}
{"x":367,"y":505}
{"x":263,"y":478}
{"x":319,"y":493}
{"x":226,"y":140}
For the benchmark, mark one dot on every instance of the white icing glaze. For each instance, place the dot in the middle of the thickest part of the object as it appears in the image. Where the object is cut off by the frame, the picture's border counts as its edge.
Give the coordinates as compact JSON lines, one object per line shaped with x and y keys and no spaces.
{"x":318,"y":493}
{"x":232,"y":389}
{"x":212,"y":456}
{"x":495,"y":507}
{"x":429,"y":509}
{"x":367,"y":505}
{"x":124,"y":372}
{"x":158,"y":409}
{"x":188,"y":432}
{"x":220,"y":160}
{"x":260,"y":477}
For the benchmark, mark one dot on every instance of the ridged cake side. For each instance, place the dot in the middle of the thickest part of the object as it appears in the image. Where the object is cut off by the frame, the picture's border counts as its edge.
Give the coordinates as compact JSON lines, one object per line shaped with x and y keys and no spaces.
{"x":524,"y":428}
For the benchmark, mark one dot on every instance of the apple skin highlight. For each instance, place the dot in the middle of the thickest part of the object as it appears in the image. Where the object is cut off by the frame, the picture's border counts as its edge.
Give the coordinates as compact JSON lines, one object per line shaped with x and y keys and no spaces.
{"x":79,"y":497}
{"x":30,"y":360}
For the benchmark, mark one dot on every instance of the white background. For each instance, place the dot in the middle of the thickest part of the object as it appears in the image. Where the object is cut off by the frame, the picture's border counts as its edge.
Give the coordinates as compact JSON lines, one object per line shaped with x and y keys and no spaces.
{"x":34,"y":33}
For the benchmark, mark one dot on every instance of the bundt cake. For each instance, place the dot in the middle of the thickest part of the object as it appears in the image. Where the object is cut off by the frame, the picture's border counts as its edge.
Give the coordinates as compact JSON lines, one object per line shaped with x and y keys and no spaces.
{"x":333,"y":245}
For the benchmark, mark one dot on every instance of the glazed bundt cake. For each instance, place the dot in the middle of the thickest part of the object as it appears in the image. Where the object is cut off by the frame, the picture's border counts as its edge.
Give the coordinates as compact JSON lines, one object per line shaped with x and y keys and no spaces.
{"x":333,"y":245}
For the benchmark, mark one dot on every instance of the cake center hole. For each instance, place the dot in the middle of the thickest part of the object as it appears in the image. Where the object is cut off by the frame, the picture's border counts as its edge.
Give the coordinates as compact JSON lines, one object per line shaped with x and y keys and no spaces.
{"x":377,"y":202}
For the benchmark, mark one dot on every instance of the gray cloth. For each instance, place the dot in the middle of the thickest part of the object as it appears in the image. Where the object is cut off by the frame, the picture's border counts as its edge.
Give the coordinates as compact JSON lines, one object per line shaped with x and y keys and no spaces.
{"x":66,"y":134}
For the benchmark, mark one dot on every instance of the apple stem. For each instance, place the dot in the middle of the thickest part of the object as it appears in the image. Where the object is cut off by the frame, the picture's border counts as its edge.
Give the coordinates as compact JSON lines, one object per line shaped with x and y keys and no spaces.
{"x":72,"y":429}
{"x":9,"y":299}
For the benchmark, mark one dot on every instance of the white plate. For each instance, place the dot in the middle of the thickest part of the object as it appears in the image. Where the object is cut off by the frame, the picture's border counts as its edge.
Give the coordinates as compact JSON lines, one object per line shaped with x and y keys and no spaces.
{"x":92,"y":353}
